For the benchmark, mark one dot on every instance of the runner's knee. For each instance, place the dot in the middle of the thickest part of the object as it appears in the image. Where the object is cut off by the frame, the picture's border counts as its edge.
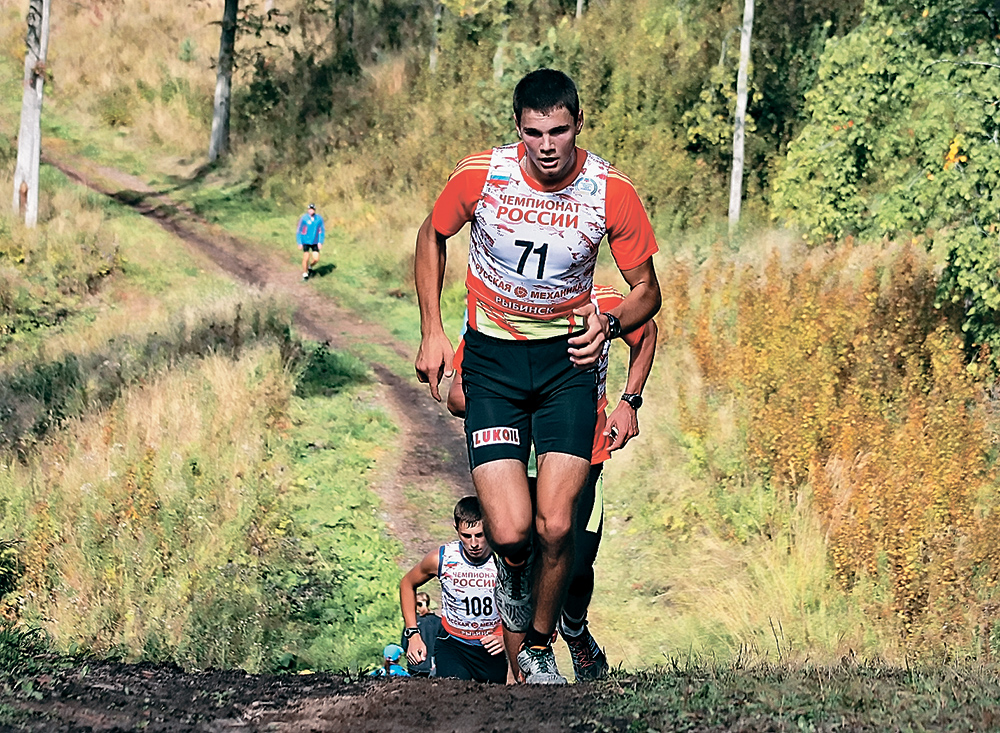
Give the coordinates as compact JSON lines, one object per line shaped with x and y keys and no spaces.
{"x":554,"y":530}
{"x":509,"y":542}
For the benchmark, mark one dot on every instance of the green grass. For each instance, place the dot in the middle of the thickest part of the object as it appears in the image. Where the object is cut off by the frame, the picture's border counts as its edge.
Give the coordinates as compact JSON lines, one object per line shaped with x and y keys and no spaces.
{"x":339,"y":436}
{"x":22,"y":654}
{"x":758,"y":696}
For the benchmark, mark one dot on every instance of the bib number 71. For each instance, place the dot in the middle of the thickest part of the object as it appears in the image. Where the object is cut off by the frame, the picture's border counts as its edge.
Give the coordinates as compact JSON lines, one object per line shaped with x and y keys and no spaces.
{"x":529,"y":249}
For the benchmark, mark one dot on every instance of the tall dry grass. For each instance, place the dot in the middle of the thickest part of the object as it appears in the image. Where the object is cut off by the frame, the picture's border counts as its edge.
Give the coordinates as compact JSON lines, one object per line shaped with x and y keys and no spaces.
{"x":820,"y":475}
{"x":142,"y":68}
{"x":147,"y":527}
{"x":91,"y":367}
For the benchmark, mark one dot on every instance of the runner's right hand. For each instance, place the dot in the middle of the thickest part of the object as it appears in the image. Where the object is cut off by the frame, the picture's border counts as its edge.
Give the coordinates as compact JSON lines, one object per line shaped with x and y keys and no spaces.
{"x":586,"y":348}
{"x":434,"y":361}
{"x":416,"y":650}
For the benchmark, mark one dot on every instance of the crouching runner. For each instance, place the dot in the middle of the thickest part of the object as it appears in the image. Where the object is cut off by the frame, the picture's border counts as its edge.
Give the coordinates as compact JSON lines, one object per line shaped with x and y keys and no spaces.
{"x":470,"y":645}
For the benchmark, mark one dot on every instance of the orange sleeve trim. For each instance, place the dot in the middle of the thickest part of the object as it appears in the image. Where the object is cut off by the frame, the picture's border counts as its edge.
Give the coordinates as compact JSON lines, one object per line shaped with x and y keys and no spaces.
{"x":457,"y":203}
{"x":607,"y":297}
{"x":479,"y":160}
{"x":617,"y":175}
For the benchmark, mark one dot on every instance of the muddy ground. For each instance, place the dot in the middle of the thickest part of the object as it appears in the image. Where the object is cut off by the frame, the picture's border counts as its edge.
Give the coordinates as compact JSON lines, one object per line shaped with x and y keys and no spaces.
{"x":103,"y":696}
{"x":100,"y":696}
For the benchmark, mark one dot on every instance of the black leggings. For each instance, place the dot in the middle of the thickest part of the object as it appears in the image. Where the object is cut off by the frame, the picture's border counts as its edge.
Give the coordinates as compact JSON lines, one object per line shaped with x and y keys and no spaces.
{"x":589,"y":527}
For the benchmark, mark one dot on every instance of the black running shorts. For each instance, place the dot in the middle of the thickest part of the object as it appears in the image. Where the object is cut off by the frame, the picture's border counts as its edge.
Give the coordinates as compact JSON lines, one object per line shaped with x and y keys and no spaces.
{"x":519,"y":391}
{"x":310,"y":248}
{"x":461,"y":661}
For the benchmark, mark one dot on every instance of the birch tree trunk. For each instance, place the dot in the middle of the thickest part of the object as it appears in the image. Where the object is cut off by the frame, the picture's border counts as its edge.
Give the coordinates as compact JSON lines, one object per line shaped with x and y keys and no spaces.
{"x":29,"y":140}
{"x":736,"y":180}
{"x":436,"y":35}
{"x":579,"y":8}
{"x":498,"y":55}
{"x":219,"y":144}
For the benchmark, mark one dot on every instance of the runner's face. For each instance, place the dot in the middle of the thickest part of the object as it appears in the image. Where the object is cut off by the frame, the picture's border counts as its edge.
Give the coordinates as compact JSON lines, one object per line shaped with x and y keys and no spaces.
{"x":474,"y":541}
{"x":550,"y":140}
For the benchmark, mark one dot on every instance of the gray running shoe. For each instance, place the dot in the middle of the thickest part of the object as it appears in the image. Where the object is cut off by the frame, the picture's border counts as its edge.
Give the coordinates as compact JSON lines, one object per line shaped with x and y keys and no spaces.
{"x":539,"y":666}
{"x":589,"y":660}
{"x":512,"y":594}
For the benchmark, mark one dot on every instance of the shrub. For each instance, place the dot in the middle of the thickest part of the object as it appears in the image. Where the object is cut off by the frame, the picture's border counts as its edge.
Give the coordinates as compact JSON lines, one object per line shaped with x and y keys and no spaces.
{"x":848,"y":381}
{"x":901,"y":143}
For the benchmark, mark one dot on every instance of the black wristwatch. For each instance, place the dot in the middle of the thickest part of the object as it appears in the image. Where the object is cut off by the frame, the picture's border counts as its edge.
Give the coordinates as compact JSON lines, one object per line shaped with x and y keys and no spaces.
{"x":410,"y":631}
{"x":634,"y":400}
{"x":614,"y":326}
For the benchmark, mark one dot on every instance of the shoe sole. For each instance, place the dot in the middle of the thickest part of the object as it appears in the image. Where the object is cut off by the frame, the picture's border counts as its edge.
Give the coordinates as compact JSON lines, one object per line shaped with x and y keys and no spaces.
{"x":546,"y":679}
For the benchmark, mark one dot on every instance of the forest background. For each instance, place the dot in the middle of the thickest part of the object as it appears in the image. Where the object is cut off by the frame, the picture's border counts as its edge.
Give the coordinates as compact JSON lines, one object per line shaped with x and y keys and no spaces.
{"x":816,"y":474}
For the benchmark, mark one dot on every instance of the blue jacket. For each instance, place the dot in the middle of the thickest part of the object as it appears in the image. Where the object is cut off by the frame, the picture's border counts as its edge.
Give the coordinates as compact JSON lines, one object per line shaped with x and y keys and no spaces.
{"x":394,"y":671}
{"x":310,"y":232}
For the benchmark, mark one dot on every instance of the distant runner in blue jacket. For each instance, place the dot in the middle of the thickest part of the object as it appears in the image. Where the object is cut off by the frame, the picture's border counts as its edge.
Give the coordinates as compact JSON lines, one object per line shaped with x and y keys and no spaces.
{"x":310,"y":235}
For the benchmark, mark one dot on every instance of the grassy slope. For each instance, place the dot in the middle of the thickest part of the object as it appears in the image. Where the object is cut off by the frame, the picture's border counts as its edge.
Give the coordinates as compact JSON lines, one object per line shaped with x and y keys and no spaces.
{"x":691,"y":590}
{"x":159,"y":283}
{"x":657,"y":608}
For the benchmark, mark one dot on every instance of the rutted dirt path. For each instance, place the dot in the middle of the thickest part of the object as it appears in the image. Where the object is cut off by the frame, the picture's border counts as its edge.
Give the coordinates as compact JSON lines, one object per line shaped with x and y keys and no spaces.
{"x":104,"y":696}
{"x":434,"y":445}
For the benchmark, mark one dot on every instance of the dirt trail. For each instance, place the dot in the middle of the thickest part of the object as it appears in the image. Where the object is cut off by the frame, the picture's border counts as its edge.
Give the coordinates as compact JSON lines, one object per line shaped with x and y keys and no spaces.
{"x":434,"y":445}
{"x":106,"y":696}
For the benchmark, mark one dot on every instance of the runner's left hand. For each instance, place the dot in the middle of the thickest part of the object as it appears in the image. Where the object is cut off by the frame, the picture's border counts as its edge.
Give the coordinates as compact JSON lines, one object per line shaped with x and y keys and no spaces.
{"x":493,"y":644}
{"x":623,"y":425}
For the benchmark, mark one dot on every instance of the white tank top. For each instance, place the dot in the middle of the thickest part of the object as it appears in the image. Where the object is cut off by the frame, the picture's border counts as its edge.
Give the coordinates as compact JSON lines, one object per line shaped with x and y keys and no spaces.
{"x":532,"y":253}
{"x":467,"y":594}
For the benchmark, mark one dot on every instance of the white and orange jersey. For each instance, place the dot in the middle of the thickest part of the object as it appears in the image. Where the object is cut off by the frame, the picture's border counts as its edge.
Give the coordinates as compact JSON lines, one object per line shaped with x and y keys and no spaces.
{"x":468,"y":611}
{"x":533,"y":251}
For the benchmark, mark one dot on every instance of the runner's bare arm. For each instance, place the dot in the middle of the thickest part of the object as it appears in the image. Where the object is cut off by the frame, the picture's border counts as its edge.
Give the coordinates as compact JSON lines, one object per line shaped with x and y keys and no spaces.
{"x":641,"y":304}
{"x":419,"y":574}
{"x":623,"y":423}
{"x":434,"y":357}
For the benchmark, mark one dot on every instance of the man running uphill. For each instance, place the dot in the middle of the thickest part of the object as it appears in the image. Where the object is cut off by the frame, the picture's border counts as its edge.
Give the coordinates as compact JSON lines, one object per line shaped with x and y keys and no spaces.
{"x":612,"y":433}
{"x":472,"y":646}
{"x":539,"y":210}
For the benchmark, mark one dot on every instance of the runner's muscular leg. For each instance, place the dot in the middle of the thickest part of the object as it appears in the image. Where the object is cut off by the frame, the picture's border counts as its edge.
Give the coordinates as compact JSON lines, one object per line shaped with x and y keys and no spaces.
{"x":502,"y":487}
{"x":560,"y":479}
{"x":505,"y":498}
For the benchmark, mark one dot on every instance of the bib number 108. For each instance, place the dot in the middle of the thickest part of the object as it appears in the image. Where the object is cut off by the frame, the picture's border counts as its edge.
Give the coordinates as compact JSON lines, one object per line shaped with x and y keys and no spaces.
{"x":476,"y":606}
{"x":530,"y":249}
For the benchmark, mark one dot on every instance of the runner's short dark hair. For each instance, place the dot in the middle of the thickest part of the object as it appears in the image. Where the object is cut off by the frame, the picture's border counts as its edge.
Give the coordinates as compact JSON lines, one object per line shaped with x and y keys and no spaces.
{"x":544,"y":90}
{"x":468,"y":512}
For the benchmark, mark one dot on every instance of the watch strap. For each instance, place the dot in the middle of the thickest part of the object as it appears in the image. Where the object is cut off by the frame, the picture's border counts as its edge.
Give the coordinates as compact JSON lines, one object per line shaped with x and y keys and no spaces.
{"x":634,"y":400}
{"x":614,"y":326}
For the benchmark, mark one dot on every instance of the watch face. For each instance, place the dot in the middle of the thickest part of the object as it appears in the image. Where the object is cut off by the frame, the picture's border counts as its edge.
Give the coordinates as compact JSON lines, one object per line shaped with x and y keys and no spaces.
{"x":633,"y":399}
